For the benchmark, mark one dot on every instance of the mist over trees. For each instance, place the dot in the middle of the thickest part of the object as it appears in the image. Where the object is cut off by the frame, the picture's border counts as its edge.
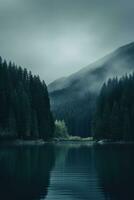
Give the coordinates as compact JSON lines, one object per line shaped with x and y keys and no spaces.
{"x":24,"y":104}
{"x":73,"y":98}
{"x":114,"y":117}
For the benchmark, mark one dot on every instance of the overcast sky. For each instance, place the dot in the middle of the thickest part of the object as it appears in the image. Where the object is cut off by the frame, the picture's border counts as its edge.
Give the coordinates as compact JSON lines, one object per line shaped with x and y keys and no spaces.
{"x":55,"y":38}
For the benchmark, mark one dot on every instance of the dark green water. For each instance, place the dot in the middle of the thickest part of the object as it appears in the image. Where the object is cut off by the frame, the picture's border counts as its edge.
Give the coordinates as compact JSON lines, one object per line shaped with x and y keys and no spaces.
{"x":67,"y":172}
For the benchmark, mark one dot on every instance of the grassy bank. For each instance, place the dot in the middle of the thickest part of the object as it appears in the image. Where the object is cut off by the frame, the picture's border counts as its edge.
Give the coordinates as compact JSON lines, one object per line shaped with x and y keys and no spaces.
{"x":73,"y":138}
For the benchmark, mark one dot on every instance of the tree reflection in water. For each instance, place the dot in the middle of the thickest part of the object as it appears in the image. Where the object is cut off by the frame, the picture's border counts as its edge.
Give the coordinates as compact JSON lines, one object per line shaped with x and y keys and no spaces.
{"x":115,"y":168}
{"x":25,"y":172}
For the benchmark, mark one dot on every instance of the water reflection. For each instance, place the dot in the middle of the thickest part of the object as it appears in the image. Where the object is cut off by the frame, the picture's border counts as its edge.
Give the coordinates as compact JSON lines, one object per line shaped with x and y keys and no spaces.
{"x":115,"y":168}
{"x":67,"y":172}
{"x":74,"y":176}
{"x":96,"y":173}
{"x":25,"y":172}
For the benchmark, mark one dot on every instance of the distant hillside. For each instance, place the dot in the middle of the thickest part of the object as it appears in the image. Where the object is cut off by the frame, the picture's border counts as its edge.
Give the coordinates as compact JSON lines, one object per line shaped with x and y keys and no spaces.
{"x":24,"y":105}
{"x":73,"y":97}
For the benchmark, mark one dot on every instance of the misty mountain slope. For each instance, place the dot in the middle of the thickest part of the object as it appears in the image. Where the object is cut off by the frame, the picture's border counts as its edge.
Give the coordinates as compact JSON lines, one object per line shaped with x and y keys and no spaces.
{"x":73,"y":97}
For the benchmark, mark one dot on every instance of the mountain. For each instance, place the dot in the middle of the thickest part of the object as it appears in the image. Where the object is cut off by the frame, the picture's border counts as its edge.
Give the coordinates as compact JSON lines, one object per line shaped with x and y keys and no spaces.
{"x":73,"y":98}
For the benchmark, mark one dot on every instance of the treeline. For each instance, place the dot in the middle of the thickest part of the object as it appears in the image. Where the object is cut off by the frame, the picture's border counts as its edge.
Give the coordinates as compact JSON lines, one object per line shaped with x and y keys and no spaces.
{"x":24,"y":104}
{"x":114,"y":117}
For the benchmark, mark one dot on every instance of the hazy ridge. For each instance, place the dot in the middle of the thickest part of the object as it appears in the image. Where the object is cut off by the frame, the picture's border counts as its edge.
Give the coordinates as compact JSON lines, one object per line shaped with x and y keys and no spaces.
{"x":73,"y":97}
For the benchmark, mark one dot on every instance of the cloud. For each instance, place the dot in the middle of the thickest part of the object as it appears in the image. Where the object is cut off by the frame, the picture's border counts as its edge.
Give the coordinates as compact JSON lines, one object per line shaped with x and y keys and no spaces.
{"x":57,"y":38}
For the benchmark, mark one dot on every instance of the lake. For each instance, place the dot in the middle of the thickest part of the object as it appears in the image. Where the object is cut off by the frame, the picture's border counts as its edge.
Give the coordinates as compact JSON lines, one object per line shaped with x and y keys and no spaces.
{"x":67,"y":172}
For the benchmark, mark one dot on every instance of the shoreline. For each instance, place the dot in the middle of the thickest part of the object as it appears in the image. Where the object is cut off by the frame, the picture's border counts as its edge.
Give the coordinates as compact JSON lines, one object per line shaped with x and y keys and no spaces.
{"x":19,"y":142}
{"x":83,"y":141}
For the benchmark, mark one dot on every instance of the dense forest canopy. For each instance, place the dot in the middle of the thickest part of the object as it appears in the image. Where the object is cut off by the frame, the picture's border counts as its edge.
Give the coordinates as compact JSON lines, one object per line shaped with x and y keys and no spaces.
{"x":24,"y":104}
{"x":114,"y":117}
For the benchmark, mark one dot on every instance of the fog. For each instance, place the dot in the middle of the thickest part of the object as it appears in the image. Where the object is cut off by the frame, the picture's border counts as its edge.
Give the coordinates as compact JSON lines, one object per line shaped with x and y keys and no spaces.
{"x":55,"y":38}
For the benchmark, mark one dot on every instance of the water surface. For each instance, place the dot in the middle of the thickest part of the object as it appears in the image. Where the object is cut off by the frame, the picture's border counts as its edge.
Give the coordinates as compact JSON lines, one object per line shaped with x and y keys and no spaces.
{"x":67,"y":172}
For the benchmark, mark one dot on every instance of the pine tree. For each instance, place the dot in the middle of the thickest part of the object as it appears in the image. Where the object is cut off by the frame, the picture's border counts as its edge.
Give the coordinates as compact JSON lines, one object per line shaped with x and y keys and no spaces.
{"x":24,"y":104}
{"x":114,"y":116}
{"x":12,"y":128}
{"x":115,"y":122}
{"x":34,"y":126}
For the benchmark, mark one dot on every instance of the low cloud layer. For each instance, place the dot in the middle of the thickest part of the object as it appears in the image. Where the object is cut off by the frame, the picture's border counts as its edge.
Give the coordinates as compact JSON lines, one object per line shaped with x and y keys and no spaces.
{"x":55,"y":38}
